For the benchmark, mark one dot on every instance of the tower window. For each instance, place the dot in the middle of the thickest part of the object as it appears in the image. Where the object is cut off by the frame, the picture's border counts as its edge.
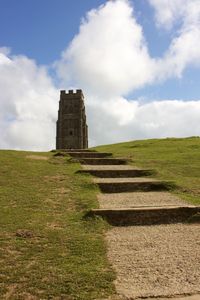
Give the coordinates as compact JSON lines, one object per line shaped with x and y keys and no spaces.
{"x":71,"y":132}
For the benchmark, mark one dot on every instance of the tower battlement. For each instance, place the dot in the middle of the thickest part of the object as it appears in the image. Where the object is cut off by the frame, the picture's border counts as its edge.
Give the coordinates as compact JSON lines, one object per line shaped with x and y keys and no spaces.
{"x":72,"y":130}
{"x":71,"y":92}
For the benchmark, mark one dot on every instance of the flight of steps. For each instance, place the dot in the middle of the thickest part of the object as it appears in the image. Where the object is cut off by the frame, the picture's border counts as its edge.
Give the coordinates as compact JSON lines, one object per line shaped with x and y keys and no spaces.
{"x":150,"y":261}
{"x":135,"y":198}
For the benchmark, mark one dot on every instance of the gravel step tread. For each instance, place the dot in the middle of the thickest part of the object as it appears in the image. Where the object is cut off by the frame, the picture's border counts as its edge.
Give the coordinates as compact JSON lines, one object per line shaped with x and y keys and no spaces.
{"x":123,"y":200}
{"x":110,"y":167}
{"x":128,"y":179}
{"x":155,"y":261}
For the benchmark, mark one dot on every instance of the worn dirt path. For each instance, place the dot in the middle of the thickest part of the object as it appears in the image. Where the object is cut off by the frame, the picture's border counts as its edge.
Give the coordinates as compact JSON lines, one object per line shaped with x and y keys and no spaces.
{"x":151,"y":261}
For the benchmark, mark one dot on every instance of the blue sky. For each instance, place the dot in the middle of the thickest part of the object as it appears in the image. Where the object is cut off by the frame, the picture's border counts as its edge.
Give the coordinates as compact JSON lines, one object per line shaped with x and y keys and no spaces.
{"x":153,"y":57}
{"x":42,"y":29}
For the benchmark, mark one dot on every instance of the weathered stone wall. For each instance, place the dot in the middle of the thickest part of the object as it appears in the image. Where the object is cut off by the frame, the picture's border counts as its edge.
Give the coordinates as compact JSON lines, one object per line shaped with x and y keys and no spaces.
{"x":72,"y":130}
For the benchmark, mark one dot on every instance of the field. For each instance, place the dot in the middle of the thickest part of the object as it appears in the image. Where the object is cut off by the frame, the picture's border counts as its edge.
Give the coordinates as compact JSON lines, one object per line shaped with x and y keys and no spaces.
{"x":47,"y":249}
{"x":172,"y":159}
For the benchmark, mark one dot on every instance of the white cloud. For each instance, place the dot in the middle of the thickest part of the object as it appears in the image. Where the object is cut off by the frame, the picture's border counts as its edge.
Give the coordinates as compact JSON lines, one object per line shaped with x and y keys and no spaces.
{"x":131,"y":120}
{"x":185,"y":46}
{"x":4,"y":50}
{"x":109,"y":55}
{"x":169,"y":12}
{"x":28,"y":105}
{"x":184,"y":51}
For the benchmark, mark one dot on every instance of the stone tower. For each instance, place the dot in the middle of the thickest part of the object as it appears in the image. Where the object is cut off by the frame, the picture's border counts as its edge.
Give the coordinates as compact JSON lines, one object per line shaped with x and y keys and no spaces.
{"x":72,"y":130}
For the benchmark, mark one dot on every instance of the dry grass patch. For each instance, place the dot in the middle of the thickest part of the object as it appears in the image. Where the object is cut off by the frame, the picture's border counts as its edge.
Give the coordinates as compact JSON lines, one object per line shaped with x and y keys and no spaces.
{"x":54,"y":178}
{"x":54,"y":226}
{"x":10,"y":291}
{"x":37,"y":157}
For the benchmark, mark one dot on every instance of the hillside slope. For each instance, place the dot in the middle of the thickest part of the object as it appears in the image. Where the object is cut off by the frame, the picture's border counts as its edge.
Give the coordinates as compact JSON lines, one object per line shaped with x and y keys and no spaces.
{"x":47,"y":249}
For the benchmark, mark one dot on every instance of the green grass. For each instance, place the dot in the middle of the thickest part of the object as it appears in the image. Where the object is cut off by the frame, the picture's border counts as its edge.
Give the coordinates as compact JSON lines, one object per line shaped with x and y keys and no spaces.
{"x":173,"y":159}
{"x":47,"y":249}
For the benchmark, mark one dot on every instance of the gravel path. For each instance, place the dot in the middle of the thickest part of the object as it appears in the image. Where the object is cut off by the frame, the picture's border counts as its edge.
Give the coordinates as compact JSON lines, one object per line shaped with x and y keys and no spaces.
{"x":109,"y":167}
{"x":151,"y":261}
{"x":124,"y":200}
{"x":155,"y":260}
{"x":129,"y":179}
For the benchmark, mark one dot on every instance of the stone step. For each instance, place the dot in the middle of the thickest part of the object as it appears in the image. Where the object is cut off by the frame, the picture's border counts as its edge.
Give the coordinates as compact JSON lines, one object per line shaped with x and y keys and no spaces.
{"x":74,"y":154}
{"x":102,"y":161}
{"x":118,"y":173}
{"x":73,"y":150}
{"x":133,"y":185}
{"x":89,"y":154}
{"x":78,"y":150}
{"x":146,"y":215}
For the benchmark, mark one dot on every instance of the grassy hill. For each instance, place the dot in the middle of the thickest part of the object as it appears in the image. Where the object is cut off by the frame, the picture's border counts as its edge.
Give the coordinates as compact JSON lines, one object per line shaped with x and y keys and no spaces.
{"x":172,"y":159}
{"x":47,"y":249}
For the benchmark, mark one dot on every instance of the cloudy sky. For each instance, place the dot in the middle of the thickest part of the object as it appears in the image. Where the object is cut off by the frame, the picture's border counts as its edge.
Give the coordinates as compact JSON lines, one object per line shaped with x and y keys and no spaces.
{"x":137,"y":62}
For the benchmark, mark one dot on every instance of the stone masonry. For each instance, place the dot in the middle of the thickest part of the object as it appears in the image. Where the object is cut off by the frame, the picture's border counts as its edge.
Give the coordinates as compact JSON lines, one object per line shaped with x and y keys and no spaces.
{"x":72,"y":130}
